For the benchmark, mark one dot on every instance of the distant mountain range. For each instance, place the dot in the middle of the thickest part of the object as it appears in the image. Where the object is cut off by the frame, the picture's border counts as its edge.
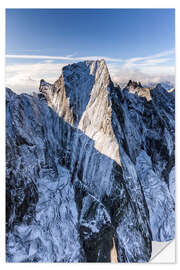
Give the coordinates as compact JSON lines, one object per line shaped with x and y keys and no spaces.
{"x":90,"y":168}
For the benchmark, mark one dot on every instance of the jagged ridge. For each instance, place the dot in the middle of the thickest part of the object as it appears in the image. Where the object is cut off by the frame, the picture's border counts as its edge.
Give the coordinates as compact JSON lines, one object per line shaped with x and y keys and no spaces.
{"x":125,"y":190}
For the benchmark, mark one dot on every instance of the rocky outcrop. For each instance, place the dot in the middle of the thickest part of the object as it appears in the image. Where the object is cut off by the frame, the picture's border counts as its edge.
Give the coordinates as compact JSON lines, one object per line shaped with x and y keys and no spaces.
{"x":136,"y":88}
{"x":88,"y":165}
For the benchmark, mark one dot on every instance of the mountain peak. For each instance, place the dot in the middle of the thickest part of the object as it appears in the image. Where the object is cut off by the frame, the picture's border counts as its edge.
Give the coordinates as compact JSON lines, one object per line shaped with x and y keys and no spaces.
{"x":88,"y":67}
{"x":76,"y":84}
{"x":160,"y":88}
{"x":134,"y":84}
{"x":136,"y":87}
{"x":46,"y":89}
{"x":158,"y":85}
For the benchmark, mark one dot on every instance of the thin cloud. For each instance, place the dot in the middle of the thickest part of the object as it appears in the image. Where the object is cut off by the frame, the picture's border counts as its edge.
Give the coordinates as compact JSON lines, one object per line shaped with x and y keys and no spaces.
{"x":66,"y":58}
{"x":26,"y":56}
{"x":154,"y":56}
{"x":147,"y":60}
{"x":25,"y":50}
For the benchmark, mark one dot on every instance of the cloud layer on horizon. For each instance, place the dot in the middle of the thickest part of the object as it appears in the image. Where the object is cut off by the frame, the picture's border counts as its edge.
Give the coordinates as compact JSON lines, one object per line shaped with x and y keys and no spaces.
{"x":150,"y":69}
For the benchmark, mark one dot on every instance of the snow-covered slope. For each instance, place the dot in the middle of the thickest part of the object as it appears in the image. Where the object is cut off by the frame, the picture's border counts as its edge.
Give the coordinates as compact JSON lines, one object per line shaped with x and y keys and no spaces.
{"x":89,"y":164}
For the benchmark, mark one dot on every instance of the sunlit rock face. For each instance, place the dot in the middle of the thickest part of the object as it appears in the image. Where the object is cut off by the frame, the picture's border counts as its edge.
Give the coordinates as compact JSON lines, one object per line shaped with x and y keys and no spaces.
{"x":137,"y":88}
{"x":89,"y":164}
{"x":82,"y":97}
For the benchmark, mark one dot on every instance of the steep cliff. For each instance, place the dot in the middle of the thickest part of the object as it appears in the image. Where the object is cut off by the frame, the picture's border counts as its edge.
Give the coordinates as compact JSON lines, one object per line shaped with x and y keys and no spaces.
{"x":82,"y":97}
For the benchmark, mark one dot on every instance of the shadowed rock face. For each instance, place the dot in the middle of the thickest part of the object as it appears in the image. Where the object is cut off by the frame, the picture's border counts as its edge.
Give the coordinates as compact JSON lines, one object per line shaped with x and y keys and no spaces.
{"x":145,"y":134}
{"x":88,"y":163}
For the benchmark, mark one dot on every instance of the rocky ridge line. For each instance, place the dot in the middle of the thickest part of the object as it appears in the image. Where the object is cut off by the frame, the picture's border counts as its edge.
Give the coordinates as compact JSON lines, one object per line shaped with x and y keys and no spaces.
{"x":61,"y":189}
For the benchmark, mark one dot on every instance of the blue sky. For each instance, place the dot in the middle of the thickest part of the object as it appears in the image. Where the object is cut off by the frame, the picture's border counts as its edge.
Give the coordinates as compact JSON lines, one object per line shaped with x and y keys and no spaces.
{"x":136,"y":43}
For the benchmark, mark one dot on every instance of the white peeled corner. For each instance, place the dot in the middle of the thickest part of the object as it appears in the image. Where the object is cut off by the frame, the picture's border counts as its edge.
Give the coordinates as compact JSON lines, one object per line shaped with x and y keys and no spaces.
{"x":163,"y":252}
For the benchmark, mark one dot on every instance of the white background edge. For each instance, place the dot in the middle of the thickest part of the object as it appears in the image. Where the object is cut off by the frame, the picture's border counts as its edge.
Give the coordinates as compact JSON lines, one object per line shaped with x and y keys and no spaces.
{"x":76,"y":4}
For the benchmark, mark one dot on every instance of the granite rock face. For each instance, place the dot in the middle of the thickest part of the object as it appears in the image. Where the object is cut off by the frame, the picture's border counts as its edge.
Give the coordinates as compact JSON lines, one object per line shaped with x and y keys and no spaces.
{"x":89,"y":164}
{"x":145,"y":133}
